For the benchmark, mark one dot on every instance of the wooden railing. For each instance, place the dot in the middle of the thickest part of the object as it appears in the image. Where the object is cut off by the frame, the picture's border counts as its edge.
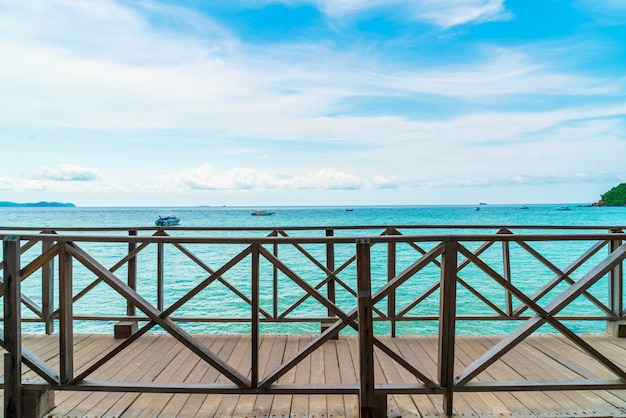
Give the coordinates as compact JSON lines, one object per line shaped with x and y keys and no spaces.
{"x":346,"y":278}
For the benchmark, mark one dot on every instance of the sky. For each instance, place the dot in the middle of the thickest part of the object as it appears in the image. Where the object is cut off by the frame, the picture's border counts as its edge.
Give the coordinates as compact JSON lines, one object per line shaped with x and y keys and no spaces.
{"x":311,"y":102}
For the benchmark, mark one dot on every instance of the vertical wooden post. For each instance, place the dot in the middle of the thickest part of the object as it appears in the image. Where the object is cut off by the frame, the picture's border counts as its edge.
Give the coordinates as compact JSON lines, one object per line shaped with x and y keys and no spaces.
{"x":447,"y":322}
{"x":391,"y":273}
{"x":330,"y":265}
{"x":12,"y":328}
{"x":616,"y":281}
{"x":370,"y":403}
{"x":506,"y":266}
{"x":616,"y":292}
{"x":66,"y":331}
{"x":160,"y":276}
{"x":254,"y":381}
{"x":275,"y":277}
{"x":47,"y":289}
{"x":132,"y":272}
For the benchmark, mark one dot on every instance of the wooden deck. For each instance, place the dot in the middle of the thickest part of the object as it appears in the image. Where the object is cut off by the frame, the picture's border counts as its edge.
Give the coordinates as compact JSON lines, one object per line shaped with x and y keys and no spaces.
{"x":160,"y":358}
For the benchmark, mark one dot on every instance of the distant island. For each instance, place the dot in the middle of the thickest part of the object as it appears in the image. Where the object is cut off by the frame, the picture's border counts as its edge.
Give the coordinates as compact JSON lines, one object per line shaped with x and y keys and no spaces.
{"x":37,"y":205}
{"x":614,"y":197}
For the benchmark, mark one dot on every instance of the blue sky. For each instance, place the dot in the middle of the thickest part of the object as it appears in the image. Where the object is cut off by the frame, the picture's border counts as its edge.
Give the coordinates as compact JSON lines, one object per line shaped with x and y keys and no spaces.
{"x":311,"y":102}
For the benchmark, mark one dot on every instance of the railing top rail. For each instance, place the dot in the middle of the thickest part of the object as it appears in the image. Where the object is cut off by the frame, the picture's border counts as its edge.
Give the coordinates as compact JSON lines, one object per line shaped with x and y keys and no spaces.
{"x":310,"y":228}
{"x":321,"y":239}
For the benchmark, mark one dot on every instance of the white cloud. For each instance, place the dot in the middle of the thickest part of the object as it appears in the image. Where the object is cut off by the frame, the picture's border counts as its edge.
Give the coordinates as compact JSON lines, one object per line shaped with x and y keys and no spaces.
{"x":68,"y":172}
{"x":207,"y":177}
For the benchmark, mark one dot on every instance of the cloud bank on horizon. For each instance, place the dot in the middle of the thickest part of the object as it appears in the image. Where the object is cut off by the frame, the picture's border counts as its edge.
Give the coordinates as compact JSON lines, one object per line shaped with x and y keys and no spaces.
{"x":268,"y":102}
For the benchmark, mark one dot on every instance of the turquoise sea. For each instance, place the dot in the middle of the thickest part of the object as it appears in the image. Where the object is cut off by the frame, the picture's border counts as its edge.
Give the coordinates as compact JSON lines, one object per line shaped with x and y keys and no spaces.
{"x":579,"y":214}
{"x":181,"y":274}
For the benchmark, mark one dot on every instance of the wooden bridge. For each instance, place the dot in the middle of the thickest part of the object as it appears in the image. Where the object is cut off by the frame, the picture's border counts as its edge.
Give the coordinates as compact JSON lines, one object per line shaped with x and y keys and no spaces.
{"x":412,"y":321}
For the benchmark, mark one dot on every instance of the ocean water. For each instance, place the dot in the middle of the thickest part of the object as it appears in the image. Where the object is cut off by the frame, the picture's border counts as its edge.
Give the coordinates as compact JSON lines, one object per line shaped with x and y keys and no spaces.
{"x":218,"y":301}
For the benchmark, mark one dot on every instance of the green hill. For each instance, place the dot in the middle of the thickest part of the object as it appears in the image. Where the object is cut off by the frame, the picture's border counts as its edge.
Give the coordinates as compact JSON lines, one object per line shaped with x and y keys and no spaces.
{"x":614,"y":197}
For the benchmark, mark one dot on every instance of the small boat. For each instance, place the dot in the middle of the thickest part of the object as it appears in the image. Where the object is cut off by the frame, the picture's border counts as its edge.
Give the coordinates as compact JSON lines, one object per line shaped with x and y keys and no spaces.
{"x":563,"y":208}
{"x":169,"y":220}
{"x":349,"y":210}
{"x":523,"y":207}
{"x":477,"y":208}
{"x":262,"y":213}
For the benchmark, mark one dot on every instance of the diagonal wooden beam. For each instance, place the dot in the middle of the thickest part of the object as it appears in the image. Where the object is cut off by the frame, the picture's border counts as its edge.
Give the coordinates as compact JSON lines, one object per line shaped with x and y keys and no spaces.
{"x":543,"y":315}
{"x":307,"y":287}
{"x":225,"y":282}
{"x":110,"y":355}
{"x":334,"y":329}
{"x":35,"y":363}
{"x":154,"y":314}
{"x":563,"y":275}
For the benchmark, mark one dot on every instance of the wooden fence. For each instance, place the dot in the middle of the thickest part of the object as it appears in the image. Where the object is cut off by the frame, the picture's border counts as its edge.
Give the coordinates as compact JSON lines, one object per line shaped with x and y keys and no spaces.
{"x":363,"y":280}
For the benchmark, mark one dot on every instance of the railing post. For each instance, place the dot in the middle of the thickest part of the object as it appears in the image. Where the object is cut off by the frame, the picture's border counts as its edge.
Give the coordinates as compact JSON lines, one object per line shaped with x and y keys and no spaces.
{"x":616,"y":291}
{"x":391,"y":273}
{"x":125,"y":329}
{"x":506,"y":266}
{"x":330,"y":265}
{"x":254,"y":381}
{"x":160,"y":276}
{"x":447,"y":322}
{"x":66,"y":329}
{"x":47,"y":289}
{"x":275,"y":277}
{"x":12,"y":328}
{"x":132,"y":272}
{"x":371,"y":404}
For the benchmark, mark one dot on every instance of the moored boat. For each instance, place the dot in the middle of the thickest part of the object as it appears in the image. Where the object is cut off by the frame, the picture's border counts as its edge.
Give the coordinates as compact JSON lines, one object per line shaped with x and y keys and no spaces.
{"x":262,"y":213}
{"x":170,"y":220}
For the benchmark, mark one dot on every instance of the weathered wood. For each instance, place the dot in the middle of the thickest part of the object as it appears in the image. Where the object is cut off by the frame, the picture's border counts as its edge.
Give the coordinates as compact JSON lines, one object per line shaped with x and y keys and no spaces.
{"x":543,"y":315}
{"x":371,"y":403}
{"x":12,"y":328}
{"x":447,"y":307}
{"x":66,"y":308}
{"x":148,"y":360}
{"x":131,"y":273}
{"x":254,"y":315}
{"x":47,"y":289}
{"x":154,"y":315}
{"x":616,"y":291}
{"x":124,"y":329}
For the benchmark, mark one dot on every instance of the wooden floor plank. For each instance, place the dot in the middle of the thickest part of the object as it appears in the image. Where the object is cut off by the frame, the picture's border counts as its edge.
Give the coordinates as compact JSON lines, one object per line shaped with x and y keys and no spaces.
{"x":483,"y":403}
{"x":175,"y":406}
{"x":160,"y":358}
{"x":238,"y":345}
{"x":423,"y":403}
{"x":228,"y":403}
{"x":317,"y":403}
{"x":281,"y":405}
{"x":141,"y":369}
{"x":300,"y":403}
{"x":99,"y":401}
{"x":402,"y":404}
{"x":347,"y":374}
{"x":517,"y":403}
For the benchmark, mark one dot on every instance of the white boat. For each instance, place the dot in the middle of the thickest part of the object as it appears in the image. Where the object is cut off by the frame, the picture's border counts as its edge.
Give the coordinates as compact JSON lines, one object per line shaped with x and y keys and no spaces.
{"x":169,"y":220}
{"x":262,"y":213}
{"x":563,"y":208}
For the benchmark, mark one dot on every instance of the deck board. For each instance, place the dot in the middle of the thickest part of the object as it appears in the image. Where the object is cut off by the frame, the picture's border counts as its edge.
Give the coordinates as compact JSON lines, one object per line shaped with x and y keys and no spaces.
{"x":160,"y":358}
